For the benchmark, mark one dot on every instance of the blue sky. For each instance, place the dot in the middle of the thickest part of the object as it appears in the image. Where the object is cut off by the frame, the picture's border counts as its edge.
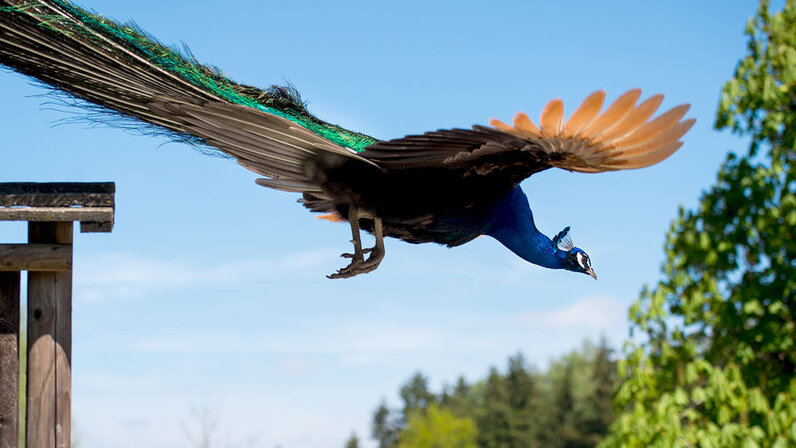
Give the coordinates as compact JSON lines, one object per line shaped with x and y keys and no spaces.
{"x":211,"y":292}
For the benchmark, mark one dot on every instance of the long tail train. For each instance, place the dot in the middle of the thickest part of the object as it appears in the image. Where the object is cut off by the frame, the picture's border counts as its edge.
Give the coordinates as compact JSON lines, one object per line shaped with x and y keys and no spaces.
{"x":121,"y":68}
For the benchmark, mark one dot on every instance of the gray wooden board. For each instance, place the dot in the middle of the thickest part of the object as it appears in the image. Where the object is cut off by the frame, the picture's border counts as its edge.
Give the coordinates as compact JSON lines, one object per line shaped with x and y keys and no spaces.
{"x":57,"y":199}
{"x":49,"y":346}
{"x":55,"y":214}
{"x":9,"y":359}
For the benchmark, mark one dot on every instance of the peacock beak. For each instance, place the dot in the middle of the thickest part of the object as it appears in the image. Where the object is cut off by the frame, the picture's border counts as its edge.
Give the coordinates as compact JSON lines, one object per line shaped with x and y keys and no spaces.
{"x":593,"y":275}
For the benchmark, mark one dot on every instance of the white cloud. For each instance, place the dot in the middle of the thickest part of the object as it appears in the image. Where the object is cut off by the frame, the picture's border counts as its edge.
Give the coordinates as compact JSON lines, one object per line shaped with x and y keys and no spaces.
{"x":295,"y":365}
{"x":377,"y":339}
{"x":124,"y":275}
{"x":599,"y":312}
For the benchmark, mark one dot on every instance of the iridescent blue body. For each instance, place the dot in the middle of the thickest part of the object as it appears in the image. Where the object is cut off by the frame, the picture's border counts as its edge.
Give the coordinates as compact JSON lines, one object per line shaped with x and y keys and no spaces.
{"x":514,"y":227}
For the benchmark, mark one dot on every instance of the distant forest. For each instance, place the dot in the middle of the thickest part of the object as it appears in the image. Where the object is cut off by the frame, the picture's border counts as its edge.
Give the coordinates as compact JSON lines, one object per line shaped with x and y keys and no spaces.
{"x":569,"y":405}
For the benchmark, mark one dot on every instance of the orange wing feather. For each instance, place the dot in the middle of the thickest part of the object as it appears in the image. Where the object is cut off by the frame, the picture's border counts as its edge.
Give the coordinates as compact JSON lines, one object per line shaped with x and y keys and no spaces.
{"x":622,"y":137}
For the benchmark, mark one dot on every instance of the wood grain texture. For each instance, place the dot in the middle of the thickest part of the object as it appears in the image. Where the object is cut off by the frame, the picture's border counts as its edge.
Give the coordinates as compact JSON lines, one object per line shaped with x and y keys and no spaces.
{"x":57,"y":200}
{"x":49,"y":345}
{"x":35,"y":257}
{"x":56,"y":214}
{"x":9,"y":359}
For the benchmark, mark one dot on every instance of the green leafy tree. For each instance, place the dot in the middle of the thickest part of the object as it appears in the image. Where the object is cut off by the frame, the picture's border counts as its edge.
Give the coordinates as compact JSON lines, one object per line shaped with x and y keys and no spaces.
{"x":563,"y":426}
{"x":717,"y":367}
{"x":509,"y":414}
{"x":385,"y":427}
{"x":598,"y":414}
{"x":438,"y":428}
{"x":494,"y":416}
{"x":353,"y":441}
{"x":579,"y":398}
{"x":523,"y":399}
{"x":416,"y":395}
{"x":460,"y":400}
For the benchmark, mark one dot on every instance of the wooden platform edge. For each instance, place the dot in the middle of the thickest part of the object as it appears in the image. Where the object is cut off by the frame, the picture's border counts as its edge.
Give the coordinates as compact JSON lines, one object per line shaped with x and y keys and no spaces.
{"x":102,"y":215}
{"x":14,"y":188}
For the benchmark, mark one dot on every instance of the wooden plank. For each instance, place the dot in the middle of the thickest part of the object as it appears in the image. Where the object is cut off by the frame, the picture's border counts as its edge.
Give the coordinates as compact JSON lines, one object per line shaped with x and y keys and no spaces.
{"x":56,"y":214}
{"x":9,"y":359}
{"x":58,"y":199}
{"x":35,"y":257}
{"x":40,"y":420}
{"x":49,"y":346}
{"x":63,"y":345}
{"x":57,"y":187}
{"x":96,"y":227}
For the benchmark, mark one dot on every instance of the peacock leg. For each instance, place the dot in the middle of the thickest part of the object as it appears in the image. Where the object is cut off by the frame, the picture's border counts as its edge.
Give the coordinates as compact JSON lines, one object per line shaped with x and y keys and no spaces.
{"x":360,"y":265}
{"x":377,"y":251}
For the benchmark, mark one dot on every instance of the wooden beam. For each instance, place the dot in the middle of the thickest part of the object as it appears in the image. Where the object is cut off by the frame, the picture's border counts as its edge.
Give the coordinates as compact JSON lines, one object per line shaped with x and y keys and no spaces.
{"x":56,"y":214}
{"x":90,"y":203}
{"x":57,"y":188}
{"x":35,"y":257}
{"x":57,"y":200}
{"x":96,"y":227}
{"x":9,"y":359}
{"x":49,"y":392}
{"x":61,"y":194}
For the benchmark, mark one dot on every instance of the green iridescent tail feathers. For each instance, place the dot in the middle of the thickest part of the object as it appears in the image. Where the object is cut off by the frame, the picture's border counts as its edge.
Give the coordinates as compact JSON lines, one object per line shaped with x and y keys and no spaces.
{"x":54,"y":25}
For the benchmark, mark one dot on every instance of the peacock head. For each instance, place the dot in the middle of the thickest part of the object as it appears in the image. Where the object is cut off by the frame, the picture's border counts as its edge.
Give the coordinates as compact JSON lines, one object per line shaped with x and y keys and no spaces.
{"x":578,"y":261}
{"x":575,"y":258}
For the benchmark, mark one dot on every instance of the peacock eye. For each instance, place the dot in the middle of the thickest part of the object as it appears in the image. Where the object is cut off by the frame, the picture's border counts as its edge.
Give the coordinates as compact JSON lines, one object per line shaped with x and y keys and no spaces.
{"x":582,"y":260}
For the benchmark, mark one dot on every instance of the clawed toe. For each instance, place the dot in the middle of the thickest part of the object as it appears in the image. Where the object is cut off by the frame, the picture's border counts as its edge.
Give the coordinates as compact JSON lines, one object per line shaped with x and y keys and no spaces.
{"x":359,"y":264}
{"x":354,"y":256}
{"x":348,"y":271}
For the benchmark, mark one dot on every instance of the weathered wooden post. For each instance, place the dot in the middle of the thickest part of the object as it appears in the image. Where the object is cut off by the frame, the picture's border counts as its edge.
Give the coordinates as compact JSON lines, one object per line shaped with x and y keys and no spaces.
{"x":50,"y":210}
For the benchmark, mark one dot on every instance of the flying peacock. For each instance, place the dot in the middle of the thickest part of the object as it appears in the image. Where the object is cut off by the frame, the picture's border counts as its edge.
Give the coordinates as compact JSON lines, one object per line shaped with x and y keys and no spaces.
{"x":445,"y":186}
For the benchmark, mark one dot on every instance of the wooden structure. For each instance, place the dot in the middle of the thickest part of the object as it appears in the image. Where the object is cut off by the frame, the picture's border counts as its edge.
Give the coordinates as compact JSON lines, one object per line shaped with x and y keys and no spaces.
{"x":50,"y":210}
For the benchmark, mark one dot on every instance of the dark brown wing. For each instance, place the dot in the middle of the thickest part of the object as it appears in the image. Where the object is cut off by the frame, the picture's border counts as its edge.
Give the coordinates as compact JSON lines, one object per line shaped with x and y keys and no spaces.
{"x":622,"y":137}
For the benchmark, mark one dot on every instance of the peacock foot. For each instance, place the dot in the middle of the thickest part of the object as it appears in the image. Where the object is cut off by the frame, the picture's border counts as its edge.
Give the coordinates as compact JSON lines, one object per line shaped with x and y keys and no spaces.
{"x":359,"y":264}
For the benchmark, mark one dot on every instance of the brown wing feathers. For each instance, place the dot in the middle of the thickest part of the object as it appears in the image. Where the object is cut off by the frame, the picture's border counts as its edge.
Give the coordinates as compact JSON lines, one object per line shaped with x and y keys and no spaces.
{"x":266,"y":144}
{"x":619,"y":138}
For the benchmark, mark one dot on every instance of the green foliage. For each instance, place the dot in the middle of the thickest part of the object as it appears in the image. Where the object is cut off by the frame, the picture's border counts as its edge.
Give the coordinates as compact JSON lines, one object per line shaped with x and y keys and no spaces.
{"x":580,"y":398}
{"x":459,"y":399}
{"x":436,"y":427}
{"x":495,"y":414}
{"x":416,"y":395}
{"x":516,"y":409}
{"x":353,"y":441}
{"x":718,"y":365}
{"x":385,"y":427}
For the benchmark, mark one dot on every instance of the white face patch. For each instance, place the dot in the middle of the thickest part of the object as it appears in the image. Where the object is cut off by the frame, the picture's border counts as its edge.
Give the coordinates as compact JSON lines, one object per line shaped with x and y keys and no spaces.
{"x":582,"y":261}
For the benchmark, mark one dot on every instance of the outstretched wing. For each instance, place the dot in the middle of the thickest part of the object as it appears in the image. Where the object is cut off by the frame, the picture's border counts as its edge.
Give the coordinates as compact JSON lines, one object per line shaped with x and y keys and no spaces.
{"x":119,"y":68}
{"x":621,"y":137}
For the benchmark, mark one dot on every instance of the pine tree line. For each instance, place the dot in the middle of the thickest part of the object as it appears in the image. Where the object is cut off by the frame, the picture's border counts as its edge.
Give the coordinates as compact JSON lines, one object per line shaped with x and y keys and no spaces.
{"x":567,"y":406}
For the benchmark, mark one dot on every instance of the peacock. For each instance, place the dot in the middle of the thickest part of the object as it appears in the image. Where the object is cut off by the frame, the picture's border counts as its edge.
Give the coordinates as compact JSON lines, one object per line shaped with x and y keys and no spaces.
{"x":447,"y":186}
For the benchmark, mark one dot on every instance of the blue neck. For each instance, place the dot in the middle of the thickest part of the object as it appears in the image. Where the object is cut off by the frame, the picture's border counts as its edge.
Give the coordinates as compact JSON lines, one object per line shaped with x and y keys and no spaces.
{"x":514,"y":227}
